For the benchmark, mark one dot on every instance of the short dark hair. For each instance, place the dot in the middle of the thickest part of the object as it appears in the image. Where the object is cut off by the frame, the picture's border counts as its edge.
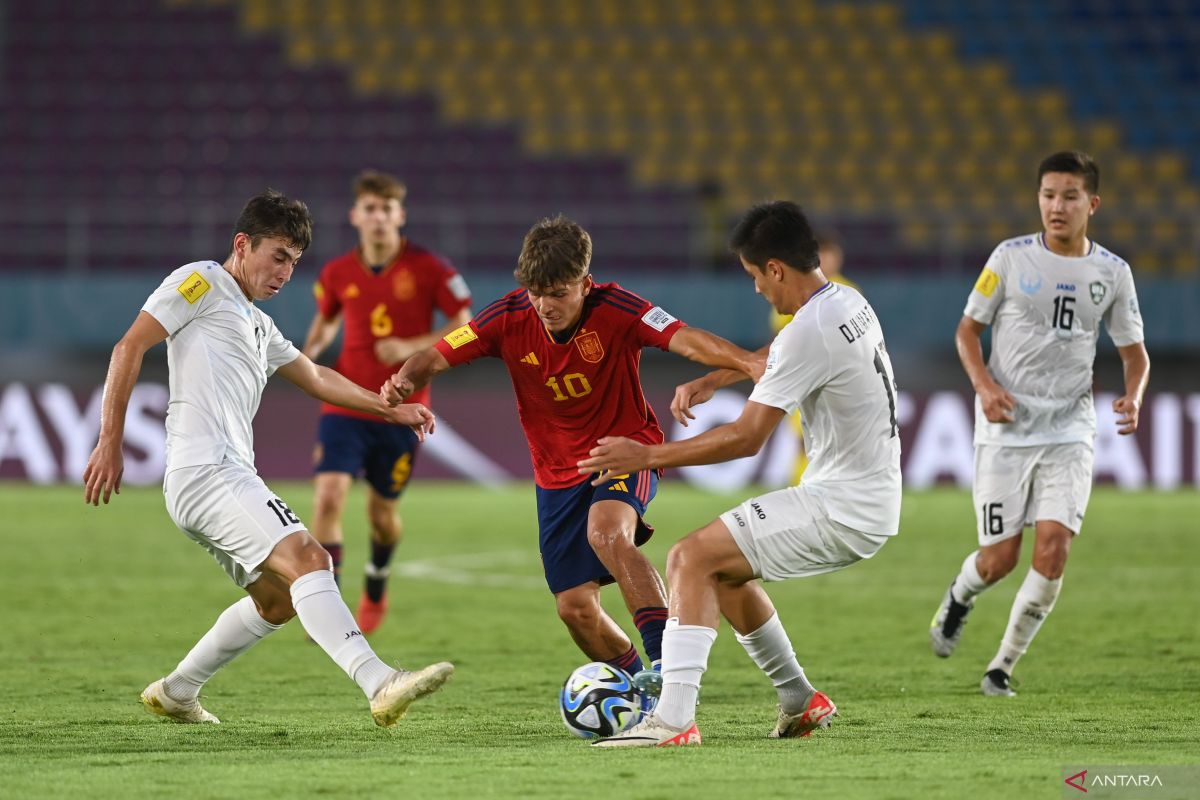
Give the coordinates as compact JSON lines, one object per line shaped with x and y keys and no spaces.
{"x":777,"y":230}
{"x":273,"y":213}
{"x":1074,"y":162}
{"x":556,"y":251}
{"x":371,"y":181}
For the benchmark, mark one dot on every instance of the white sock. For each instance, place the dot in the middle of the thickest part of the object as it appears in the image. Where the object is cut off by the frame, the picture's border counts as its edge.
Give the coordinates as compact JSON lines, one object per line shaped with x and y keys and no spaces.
{"x":237,"y":630}
{"x":1033,"y":604}
{"x":770,"y":648}
{"x":324,"y":615}
{"x":969,"y":583}
{"x":685,"y":657}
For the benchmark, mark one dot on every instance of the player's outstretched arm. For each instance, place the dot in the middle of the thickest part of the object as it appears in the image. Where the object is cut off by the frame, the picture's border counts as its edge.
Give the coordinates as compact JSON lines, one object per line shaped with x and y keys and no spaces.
{"x":998,"y":404}
{"x":393,"y":349}
{"x":1135,"y":362}
{"x":708,"y":348}
{"x":321,"y":333}
{"x":106,"y":465}
{"x":701,"y":390}
{"x":743,"y":437}
{"x":416,"y":372}
{"x":330,"y":386}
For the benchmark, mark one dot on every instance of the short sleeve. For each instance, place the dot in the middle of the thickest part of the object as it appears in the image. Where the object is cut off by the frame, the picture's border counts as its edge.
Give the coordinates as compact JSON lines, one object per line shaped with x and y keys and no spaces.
{"x":469,"y":342}
{"x":657,"y":328}
{"x":280,"y":351}
{"x":989,"y":289}
{"x":329,"y":305}
{"x":180,"y":298}
{"x":795,"y":369}
{"x":1123,"y":320}
{"x":453,"y":294}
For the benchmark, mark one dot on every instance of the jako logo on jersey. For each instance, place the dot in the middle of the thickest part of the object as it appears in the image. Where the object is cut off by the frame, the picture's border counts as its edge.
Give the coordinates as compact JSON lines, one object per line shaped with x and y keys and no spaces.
{"x":758,"y":510}
{"x":193,"y":288}
{"x":1065,"y":287}
{"x":460,"y":336}
{"x":531,"y":359}
{"x":589,"y":347}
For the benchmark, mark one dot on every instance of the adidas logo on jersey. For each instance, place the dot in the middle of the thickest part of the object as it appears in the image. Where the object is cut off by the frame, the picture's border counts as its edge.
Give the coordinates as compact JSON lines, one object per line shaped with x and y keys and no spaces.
{"x":531,"y":359}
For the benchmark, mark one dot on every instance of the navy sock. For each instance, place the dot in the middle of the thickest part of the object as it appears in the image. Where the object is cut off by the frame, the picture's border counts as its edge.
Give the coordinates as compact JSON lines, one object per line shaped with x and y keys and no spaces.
{"x":377,"y":570}
{"x":630,"y":661}
{"x":650,"y":623}
{"x":335,"y":555}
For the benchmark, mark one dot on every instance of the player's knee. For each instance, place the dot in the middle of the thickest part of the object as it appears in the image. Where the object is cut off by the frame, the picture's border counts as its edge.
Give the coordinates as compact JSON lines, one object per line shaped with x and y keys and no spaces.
{"x":578,"y":613}
{"x":609,"y":540}
{"x":385,"y":525}
{"x":1050,"y":557}
{"x":993,"y":567}
{"x":276,"y":609}
{"x":686,"y":561}
{"x":328,"y":502}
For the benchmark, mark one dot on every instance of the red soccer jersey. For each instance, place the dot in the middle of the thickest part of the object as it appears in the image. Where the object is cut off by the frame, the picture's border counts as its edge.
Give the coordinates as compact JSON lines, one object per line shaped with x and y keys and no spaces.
{"x":399,"y":301}
{"x":570,"y":395}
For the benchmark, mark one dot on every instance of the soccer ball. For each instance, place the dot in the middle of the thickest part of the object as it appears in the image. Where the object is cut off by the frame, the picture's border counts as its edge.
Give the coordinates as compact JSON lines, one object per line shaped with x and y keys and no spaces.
{"x":599,"y":700}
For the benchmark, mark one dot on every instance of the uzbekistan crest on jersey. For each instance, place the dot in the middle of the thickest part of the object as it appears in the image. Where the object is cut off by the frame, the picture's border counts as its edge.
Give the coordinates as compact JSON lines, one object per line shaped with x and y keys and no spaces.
{"x":193,"y":287}
{"x":589,"y":347}
{"x":1098,"y":291}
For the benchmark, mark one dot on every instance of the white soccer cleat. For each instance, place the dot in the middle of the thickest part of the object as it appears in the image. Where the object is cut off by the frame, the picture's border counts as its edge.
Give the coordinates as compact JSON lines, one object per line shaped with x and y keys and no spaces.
{"x":997,"y":683}
{"x":819,"y":714}
{"x":404,"y":688}
{"x":157,"y":701}
{"x":653,"y":732}
{"x":946,"y":628}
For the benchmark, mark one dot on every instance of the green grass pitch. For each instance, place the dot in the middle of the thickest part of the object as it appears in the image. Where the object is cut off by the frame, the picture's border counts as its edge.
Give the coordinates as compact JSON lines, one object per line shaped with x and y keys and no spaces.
{"x":99,"y":602}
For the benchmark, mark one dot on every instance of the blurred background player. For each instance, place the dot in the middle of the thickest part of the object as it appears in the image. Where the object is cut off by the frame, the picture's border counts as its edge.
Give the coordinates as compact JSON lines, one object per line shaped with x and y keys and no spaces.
{"x":572,"y":348}
{"x":832,"y":257}
{"x":222,"y":349}
{"x":386,"y":290}
{"x":832,"y":361}
{"x":1045,"y":296}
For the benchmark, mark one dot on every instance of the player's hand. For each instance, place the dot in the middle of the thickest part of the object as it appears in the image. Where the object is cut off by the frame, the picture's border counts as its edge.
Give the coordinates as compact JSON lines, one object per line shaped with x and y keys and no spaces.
{"x":1128,"y":408}
{"x":394,"y":392}
{"x":687,"y":395}
{"x":102,"y":476}
{"x":998,"y":405}
{"x":393,"y":350}
{"x":415,"y":416}
{"x":614,"y":455}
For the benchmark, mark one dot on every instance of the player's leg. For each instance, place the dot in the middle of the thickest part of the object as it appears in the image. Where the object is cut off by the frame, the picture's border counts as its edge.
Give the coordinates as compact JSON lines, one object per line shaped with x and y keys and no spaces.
{"x":1001,"y":490}
{"x":756,"y":624}
{"x":613,"y":524}
{"x":574,"y":574}
{"x":301,"y":563}
{"x":1061,"y":490}
{"x":337,"y":458}
{"x":389,"y":466}
{"x":592,"y":629}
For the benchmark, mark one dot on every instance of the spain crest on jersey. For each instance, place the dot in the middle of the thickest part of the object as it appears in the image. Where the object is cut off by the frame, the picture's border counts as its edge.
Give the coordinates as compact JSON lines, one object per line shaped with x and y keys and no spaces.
{"x":589,"y":347}
{"x":404,"y":285}
{"x":1098,"y":291}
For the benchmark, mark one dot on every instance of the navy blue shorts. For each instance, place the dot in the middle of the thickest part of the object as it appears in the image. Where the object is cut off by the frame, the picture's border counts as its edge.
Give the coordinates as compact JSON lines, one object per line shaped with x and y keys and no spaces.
{"x":567,"y":557}
{"x":383,"y":452}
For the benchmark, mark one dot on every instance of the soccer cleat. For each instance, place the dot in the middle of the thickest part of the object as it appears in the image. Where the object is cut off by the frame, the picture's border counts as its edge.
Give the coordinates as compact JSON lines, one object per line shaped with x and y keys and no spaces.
{"x":649,"y":683}
{"x":156,"y":700}
{"x":995,"y":683}
{"x":370,"y":613}
{"x":947,"y":625}
{"x":401,"y":690}
{"x":819,"y":714}
{"x":653,"y":732}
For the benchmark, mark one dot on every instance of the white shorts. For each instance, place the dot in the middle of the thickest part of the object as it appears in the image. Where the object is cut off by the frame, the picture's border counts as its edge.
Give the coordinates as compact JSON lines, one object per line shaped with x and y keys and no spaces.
{"x":1017,"y":486}
{"x":228,"y":510}
{"x":788,"y":534}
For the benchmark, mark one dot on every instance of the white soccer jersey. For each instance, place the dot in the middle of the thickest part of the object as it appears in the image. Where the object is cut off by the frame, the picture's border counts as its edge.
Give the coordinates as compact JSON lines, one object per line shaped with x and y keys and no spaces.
{"x":830,"y":362}
{"x":1045,"y":312}
{"x":220,"y":351}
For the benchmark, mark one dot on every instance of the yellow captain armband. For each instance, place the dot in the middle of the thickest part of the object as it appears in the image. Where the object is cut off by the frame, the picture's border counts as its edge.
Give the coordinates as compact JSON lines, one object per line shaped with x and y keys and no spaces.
{"x":987,"y":283}
{"x":460,"y":336}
